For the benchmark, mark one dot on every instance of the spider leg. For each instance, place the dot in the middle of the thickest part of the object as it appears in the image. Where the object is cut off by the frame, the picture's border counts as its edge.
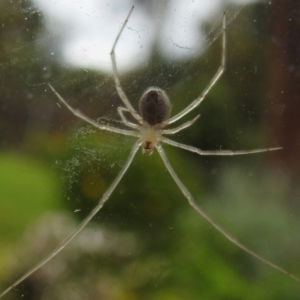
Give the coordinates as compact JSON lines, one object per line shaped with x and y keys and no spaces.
{"x":120,"y":91}
{"x":104,"y":198}
{"x":227,"y":235}
{"x":217,"y":152}
{"x":181,"y":127}
{"x":80,"y":115}
{"x":213,"y":81}
{"x":121,"y":111}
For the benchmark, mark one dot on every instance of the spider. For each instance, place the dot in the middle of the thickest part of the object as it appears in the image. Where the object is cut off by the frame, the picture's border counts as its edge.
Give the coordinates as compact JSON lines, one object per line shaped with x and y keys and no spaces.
{"x":154,"y":116}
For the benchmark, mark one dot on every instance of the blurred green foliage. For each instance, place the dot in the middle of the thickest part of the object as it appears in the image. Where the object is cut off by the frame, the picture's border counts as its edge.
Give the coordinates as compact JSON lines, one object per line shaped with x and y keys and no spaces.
{"x":24,"y":185}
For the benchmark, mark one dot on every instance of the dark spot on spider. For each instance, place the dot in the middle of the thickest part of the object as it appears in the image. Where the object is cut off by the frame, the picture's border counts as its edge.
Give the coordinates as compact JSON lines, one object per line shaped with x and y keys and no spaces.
{"x":147,"y":146}
{"x":152,"y":96}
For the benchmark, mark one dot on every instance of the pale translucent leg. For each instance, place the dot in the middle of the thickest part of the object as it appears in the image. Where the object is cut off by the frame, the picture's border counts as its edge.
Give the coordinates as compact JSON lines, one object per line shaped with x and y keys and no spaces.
{"x":121,"y":111}
{"x":120,"y":91}
{"x":217,"y":152}
{"x":104,"y":198}
{"x":80,"y":115}
{"x":193,"y":203}
{"x":181,"y":127}
{"x":216,"y":77}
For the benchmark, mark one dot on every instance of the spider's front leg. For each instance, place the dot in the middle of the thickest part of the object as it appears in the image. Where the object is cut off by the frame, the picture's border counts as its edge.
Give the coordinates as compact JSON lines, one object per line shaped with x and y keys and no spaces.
{"x":211,"y":221}
{"x":217,"y":152}
{"x":85,"y":221}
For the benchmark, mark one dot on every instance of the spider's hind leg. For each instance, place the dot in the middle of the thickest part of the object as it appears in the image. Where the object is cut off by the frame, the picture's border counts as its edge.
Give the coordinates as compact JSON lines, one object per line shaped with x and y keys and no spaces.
{"x":212,"y":82}
{"x":119,"y":88}
{"x":83,"y":117}
{"x":180,"y":127}
{"x":121,"y":111}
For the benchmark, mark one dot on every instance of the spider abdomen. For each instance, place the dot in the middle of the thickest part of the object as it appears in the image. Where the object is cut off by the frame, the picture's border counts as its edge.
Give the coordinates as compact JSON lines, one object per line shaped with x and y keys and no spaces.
{"x":155,"y":106}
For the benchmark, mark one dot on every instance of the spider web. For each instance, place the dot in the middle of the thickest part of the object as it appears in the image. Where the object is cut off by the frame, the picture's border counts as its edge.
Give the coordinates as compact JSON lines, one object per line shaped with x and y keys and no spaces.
{"x":37,"y":48}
